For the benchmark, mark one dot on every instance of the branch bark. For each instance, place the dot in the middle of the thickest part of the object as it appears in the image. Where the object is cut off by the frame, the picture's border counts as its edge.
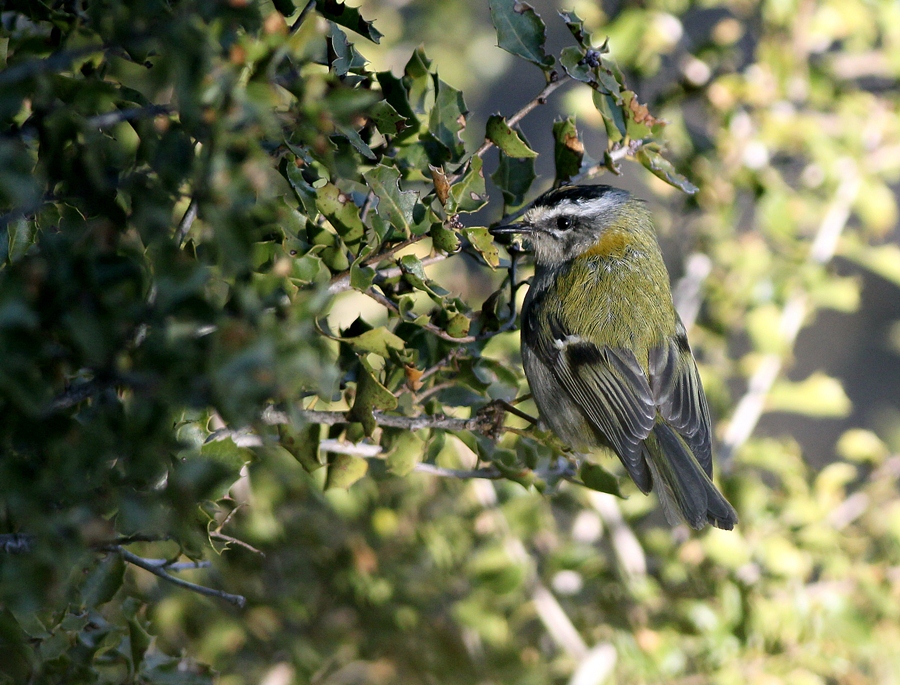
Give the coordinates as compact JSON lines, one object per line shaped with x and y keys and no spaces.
{"x":749,"y":408}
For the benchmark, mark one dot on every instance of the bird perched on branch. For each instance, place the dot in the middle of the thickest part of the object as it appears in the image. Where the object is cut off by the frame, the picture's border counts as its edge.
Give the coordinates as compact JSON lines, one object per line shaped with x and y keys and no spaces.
{"x":605,"y":352}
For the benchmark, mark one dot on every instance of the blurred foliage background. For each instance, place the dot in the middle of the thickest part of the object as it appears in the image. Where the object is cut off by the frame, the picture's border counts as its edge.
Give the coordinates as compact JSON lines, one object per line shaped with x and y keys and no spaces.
{"x":253,"y":335}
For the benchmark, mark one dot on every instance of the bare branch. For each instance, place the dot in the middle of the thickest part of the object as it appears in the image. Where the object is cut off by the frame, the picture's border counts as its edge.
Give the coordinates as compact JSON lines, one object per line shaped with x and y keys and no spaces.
{"x":687,"y":293}
{"x":110,"y":119}
{"x":360,"y":449}
{"x":58,"y":61}
{"x":217,"y":535}
{"x":489,"y":473}
{"x":750,"y":407}
{"x":16,"y":543}
{"x":539,"y":99}
{"x":169,"y":565}
{"x":159,"y":571}
{"x":186,"y":221}
{"x":342,"y":282}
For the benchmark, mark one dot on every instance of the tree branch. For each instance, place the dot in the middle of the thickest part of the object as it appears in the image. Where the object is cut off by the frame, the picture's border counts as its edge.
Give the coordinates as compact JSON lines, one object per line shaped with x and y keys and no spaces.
{"x":539,"y":99}
{"x":186,"y":221}
{"x":749,"y":408}
{"x":110,"y":119}
{"x":159,"y":571}
{"x":16,"y":543}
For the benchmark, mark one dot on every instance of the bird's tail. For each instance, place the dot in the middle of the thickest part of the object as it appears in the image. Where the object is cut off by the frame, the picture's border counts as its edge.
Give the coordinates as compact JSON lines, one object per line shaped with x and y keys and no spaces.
{"x":683,"y":487}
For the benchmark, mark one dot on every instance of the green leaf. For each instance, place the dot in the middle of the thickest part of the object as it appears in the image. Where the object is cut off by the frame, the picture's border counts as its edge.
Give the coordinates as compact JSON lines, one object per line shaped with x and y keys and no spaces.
{"x":468,"y":194}
{"x":370,"y":395}
{"x":883,"y":260}
{"x":447,"y":119}
{"x":302,"y":444}
{"x":514,"y":178}
{"x":420,"y":83}
{"x":346,"y":57}
{"x":662,"y":168}
{"x":597,"y":478}
{"x":506,"y":138}
{"x":576,"y":28}
{"x":484,"y":244}
{"x":348,"y":17}
{"x":444,"y":238}
{"x":344,"y":470}
{"x":613,"y":118}
{"x":103,"y":581}
{"x":387,"y":119}
{"x":520,"y":31}
{"x":352,"y":135}
{"x":568,"y":150}
{"x":227,"y":453}
{"x":341,"y":212}
{"x":818,"y":395}
{"x":394,"y":205}
{"x":406,"y":450}
{"x":379,"y":340}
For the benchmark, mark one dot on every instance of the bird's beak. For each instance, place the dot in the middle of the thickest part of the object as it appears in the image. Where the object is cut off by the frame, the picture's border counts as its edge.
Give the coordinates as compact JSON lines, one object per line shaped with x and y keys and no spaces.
{"x":511,"y":229}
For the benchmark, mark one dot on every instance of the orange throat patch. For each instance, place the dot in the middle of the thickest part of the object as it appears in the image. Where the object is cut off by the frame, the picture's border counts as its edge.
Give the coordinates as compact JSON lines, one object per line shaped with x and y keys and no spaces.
{"x":611,"y":244}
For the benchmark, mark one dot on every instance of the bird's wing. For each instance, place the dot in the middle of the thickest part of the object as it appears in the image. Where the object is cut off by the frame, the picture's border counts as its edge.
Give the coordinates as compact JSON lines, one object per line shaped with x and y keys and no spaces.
{"x":677,"y":391}
{"x":611,"y":390}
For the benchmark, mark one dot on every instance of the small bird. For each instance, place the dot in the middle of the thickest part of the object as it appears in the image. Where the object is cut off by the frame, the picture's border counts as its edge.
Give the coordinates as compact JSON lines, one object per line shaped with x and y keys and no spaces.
{"x":605,"y":352}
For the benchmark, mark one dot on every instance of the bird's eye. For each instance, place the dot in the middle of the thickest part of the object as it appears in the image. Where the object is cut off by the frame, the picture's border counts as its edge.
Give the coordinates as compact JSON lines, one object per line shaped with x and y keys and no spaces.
{"x":564,"y":223}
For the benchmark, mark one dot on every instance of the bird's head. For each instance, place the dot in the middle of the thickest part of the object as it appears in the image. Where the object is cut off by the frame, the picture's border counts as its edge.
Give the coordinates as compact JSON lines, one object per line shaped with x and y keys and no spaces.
{"x":567,"y":222}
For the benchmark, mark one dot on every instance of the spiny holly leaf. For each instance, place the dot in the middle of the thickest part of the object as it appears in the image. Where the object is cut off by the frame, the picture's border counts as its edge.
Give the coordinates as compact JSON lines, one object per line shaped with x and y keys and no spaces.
{"x":589,"y":66}
{"x":302,"y":444}
{"x":341,"y":212}
{"x":520,"y":31}
{"x":568,"y":150}
{"x":506,"y":138}
{"x":420,"y":82}
{"x":639,"y":123}
{"x":597,"y":478}
{"x":444,"y":238}
{"x":653,"y":161}
{"x":344,"y":470}
{"x":514,"y":178}
{"x":468,"y":194}
{"x":613,"y":117}
{"x":387,"y":120}
{"x":448,"y":119}
{"x":346,"y":57}
{"x":576,"y":27}
{"x":348,"y":17}
{"x":397,"y":96}
{"x":483,"y":242}
{"x":406,"y":449}
{"x":379,"y":340}
{"x":370,"y":395}
{"x":103,"y":582}
{"x":394,"y":204}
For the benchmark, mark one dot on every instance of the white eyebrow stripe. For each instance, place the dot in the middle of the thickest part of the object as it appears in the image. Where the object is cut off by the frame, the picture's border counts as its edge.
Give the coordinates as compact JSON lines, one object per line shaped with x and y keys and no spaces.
{"x":590,"y":205}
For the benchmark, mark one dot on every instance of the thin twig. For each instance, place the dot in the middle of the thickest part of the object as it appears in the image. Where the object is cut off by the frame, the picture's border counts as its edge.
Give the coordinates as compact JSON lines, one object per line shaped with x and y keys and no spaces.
{"x":169,"y":565}
{"x":687,"y":293}
{"x":16,"y":543}
{"x":539,"y":99}
{"x":110,"y":119}
{"x":750,"y":407}
{"x":217,"y":535}
{"x":358,"y":449}
{"x":303,"y":13}
{"x":186,"y":221}
{"x":58,"y":61}
{"x":158,"y":571}
{"x":488,"y":473}
{"x":342,"y":282}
